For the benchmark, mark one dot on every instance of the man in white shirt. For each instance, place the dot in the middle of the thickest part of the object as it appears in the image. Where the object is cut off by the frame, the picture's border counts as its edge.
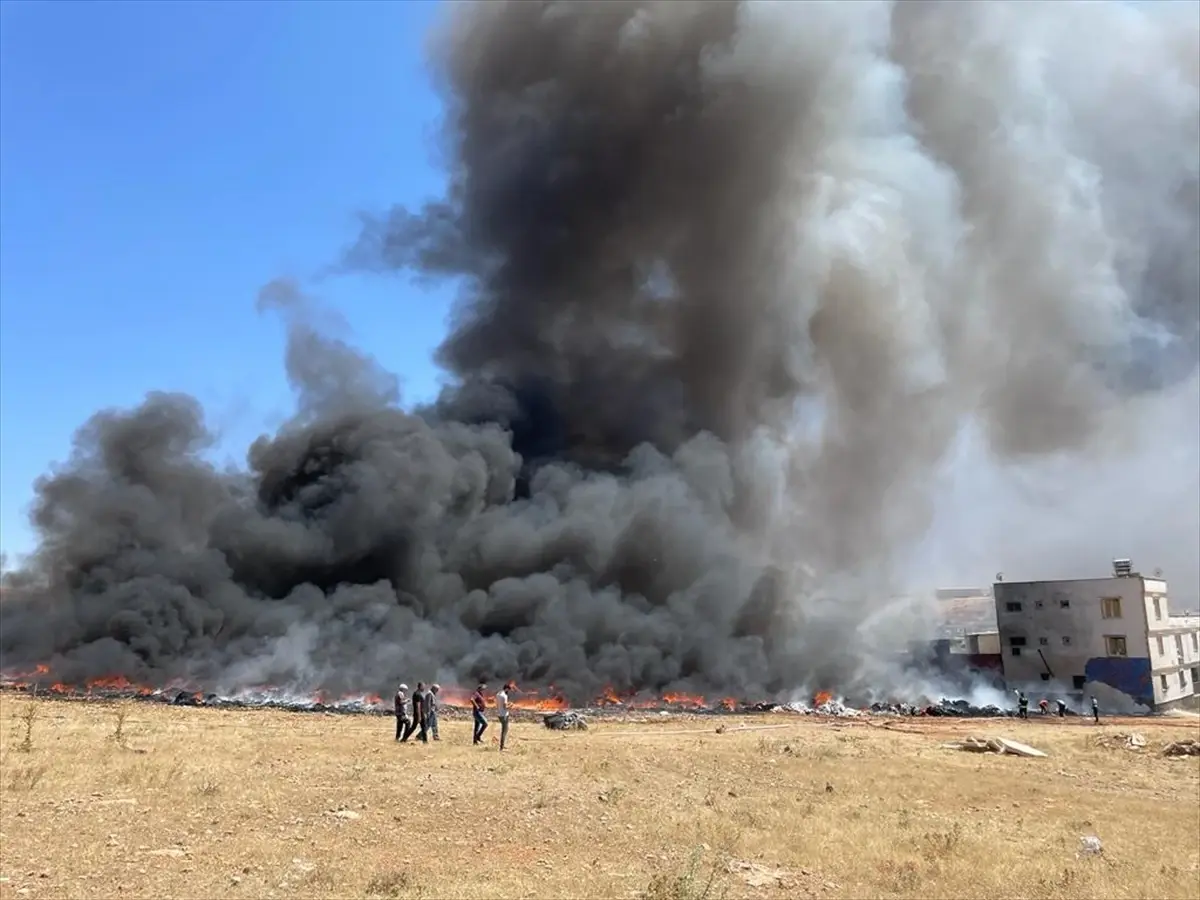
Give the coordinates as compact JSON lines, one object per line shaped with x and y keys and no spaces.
{"x":401,"y":705}
{"x":502,"y":712}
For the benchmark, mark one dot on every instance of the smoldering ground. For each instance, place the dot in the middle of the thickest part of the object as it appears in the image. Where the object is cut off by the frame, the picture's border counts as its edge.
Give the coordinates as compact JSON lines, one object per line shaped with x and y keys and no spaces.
{"x":734,"y":277}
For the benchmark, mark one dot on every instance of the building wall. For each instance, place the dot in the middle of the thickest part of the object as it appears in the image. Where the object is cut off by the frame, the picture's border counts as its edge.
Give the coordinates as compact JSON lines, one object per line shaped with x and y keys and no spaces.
{"x":1060,"y":632}
{"x":1174,"y":648}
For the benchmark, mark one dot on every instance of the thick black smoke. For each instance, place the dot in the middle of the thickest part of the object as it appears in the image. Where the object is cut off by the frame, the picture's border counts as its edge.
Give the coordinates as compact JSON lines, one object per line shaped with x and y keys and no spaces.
{"x":735,"y":276}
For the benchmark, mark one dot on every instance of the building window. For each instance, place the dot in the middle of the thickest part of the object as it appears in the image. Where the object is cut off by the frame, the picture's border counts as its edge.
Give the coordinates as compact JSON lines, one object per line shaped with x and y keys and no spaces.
{"x":1064,"y":604}
{"x":1162,"y":650}
{"x":1045,"y":676}
{"x":1045,"y":642}
{"x":1066,"y":639}
{"x":1078,"y":682}
{"x":1110,"y":607}
{"x":1157,"y":610}
{"x":1196,"y":675}
{"x":1183,"y":679}
{"x":1017,"y":640}
{"x":1115,"y":645}
{"x":1012,"y":607}
{"x":1162,"y":679}
{"x":1038,"y":604}
{"x":1179,"y":644}
{"x":1195,"y":641}
{"x":1015,"y":651}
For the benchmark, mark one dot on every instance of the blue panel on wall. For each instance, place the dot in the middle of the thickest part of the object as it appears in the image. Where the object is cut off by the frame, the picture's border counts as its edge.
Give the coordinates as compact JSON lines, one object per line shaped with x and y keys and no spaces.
{"x":1130,"y":675}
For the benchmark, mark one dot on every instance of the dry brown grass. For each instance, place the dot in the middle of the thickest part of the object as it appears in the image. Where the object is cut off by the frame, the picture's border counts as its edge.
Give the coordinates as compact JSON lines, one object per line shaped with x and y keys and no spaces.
{"x":209,"y":803}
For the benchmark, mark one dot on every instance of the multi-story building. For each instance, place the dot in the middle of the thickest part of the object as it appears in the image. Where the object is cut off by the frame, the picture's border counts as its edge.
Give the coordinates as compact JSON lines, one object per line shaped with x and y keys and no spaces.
{"x":1113,"y":638}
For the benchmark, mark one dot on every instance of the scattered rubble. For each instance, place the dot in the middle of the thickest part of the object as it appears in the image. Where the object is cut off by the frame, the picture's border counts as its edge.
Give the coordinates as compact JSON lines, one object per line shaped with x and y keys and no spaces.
{"x":1182,"y":748}
{"x":1134,"y":741}
{"x":960,"y":709}
{"x":565,"y":721}
{"x":760,"y":876}
{"x":1001,"y":746}
{"x":836,"y":708}
{"x":1090,"y":846}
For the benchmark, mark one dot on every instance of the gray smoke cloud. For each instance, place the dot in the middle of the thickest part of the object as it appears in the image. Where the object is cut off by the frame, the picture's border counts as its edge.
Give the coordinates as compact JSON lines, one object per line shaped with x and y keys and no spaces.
{"x":735,"y":279}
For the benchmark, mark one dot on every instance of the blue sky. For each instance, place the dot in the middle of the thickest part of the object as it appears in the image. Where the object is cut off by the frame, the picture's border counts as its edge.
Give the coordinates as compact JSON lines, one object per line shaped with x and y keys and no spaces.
{"x":159,"y":162}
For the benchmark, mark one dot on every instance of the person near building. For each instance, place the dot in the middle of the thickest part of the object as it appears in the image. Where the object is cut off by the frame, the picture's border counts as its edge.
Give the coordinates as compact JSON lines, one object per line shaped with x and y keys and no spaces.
{"x":1095,"y":711}
{"x":1062,"y":708}
{"x":478,"y":705}
{"x":401,"y":705}
{"x":1022,"y":705}
{"x":1044,"y":706}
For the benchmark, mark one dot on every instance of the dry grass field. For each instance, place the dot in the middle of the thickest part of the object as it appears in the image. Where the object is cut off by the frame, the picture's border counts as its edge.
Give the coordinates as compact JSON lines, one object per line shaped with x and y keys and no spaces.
{"x":137,"y":800}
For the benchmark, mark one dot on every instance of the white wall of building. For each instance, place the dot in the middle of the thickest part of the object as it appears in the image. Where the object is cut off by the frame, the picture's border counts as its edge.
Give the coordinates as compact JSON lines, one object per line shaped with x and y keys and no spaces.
{"x":1174,"y":647}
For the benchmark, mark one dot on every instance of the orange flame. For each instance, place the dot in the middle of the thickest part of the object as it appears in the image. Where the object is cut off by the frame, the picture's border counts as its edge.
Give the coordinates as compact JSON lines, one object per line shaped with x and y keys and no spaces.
{"x":459,"y":698}
{"x":822,"y":697}
{"x":685,"y":700}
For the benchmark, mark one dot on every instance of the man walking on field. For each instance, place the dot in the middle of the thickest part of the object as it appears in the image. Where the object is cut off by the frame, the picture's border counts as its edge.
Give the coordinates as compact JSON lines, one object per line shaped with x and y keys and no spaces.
{"x":401,"y":704}
{"x":418,"y":711}
{"x":502,"y":712}
{"x":431,"y":710}
{"x":478,"y":705}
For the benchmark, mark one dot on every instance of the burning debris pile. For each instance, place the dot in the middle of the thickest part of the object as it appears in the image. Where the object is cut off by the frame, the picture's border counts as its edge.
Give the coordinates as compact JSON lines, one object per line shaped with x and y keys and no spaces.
{"x":557,"y":711}
{"x":707,"y":255}
{"x":43,"y":682}
{"x":565,"y":721}
{"x":951,"y":708}
{"x":825,"y":704}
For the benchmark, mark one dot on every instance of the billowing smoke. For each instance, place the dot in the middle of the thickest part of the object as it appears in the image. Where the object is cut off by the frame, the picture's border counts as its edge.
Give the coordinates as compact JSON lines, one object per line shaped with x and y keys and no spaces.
{"x":735,"y":277}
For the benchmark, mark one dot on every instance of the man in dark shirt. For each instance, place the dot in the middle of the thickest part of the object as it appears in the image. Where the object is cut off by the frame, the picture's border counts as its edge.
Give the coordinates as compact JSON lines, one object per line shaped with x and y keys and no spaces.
{"x":418,"y":709}
{"x":401,"y":704}
{"x":478,"y":705}
{"x":1062,"y":708}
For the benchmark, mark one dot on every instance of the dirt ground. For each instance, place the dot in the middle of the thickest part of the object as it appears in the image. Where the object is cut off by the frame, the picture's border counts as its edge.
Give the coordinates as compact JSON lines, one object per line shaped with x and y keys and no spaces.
{"x":138,"y":800}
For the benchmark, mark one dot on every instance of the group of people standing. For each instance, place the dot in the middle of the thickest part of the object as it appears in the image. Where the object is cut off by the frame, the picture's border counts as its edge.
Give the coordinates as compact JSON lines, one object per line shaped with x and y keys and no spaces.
{"x":424,"y":712}
{"x":1044,"y":706}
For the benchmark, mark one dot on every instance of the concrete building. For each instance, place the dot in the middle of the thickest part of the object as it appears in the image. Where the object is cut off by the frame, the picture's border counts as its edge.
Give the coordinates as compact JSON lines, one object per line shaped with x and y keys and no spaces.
{"x":1112,"y":638}
{"x":967,"y":645}
{"x":963,"y":612}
